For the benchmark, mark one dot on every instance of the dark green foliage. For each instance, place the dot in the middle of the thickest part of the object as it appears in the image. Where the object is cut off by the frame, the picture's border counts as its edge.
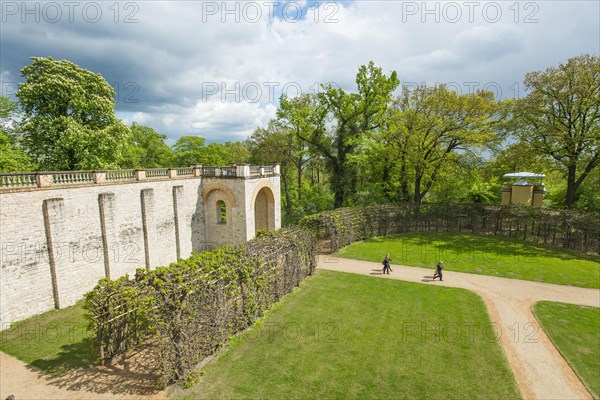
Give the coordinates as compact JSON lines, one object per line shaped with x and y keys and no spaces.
{"x":193,"y":306}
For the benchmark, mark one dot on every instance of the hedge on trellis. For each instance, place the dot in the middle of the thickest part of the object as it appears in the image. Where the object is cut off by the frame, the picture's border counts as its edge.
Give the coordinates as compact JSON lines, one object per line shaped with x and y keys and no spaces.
{"x":561,"y":228}
{"x":193,"y":306}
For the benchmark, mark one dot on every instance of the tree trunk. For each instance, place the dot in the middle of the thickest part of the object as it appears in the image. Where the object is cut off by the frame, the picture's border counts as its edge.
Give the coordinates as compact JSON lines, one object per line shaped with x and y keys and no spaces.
{"x":337,"y":181}
{"x":571,"y":186}
{"x":299,"y":180}
{"x":288,"y":202}
{"x":404,"y":181}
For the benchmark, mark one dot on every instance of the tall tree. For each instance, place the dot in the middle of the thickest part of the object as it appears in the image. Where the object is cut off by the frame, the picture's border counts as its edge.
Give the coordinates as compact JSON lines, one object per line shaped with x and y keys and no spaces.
{"x":147,"y":149}
{"x":350,"y":116}
{"x":299,"y":118}
{"x":69,"y":120}
{"x":560,"y":117}
{"x":431,"y":123}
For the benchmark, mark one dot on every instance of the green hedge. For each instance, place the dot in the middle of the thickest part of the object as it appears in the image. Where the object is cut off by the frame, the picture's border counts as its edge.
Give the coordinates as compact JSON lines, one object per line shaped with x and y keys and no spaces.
{"x":561,"y":228}
{"x":193,"y":306}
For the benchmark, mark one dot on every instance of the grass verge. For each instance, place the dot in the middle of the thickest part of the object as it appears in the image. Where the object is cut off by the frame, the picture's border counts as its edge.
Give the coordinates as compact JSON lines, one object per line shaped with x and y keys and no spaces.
{"x":55,"y":342}
{"x":348,"y":336}
{"x":486,"y":255}
{"x":575,"y":330}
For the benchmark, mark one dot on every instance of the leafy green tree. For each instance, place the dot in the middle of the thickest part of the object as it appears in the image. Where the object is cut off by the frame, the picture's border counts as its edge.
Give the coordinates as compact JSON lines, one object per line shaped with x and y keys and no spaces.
{"x":279,"y":143}
{"x":68,"y":117}
{"x":147,"y":149}
{"x":560,"y":117}
{"x":298,"y":118}
{"x":432,"y":123}
{"x":338,"y":121}
{"x":193,"y":150}
{"x":12,"y":157}
{"x":188,"y":150}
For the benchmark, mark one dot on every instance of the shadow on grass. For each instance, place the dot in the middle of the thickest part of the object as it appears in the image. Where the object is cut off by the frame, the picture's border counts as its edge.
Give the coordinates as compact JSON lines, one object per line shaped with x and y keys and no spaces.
{"x":135,"y":374}
{"x":71,"y":356}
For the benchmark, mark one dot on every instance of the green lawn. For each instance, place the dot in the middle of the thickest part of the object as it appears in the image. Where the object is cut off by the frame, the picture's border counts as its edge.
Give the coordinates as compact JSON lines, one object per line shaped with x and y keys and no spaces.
{"x":575,"y":330}
{"x":55,"y":342}
{"x":487,"y":255}
{"x":349,"y":336}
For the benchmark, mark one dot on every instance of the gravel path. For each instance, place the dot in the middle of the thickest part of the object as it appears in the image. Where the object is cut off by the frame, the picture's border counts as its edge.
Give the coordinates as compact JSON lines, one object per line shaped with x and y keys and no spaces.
{"x":539,"y":369}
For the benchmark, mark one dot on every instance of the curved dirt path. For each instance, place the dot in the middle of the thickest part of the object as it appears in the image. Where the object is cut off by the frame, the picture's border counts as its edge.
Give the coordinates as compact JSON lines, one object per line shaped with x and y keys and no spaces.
{"x":539,"y":369}
{"x":127,"y":378}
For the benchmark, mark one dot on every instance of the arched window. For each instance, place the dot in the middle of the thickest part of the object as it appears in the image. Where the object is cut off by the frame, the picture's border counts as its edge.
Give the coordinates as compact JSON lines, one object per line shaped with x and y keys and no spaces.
{"x":221,"y":212}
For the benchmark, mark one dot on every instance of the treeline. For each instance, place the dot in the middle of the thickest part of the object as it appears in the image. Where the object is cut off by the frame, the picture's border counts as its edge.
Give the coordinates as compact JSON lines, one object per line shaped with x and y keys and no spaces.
{"x":336,"y":147}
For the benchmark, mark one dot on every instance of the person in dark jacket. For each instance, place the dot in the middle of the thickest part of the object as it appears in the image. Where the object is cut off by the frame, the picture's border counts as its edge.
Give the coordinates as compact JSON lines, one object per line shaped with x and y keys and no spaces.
{"x":386,"y":264}
{"x":438,"y":271}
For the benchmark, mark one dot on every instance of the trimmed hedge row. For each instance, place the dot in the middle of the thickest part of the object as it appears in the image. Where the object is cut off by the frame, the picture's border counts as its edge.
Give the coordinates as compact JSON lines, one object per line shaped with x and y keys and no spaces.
{"x":194,"y":305}
{"x":561,"y":228}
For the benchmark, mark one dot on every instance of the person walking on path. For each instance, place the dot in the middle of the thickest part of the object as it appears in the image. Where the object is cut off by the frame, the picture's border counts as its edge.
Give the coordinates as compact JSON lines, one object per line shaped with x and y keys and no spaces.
{"x":386,"y":264}
{"x":438,"y":271}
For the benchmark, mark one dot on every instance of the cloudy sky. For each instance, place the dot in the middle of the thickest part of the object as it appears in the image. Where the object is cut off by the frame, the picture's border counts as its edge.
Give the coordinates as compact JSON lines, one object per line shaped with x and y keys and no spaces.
{"x":217,"y":68}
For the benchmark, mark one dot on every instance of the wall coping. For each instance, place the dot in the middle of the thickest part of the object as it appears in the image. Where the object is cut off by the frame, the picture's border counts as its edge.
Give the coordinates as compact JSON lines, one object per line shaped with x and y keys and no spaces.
{"x":27,"y":181}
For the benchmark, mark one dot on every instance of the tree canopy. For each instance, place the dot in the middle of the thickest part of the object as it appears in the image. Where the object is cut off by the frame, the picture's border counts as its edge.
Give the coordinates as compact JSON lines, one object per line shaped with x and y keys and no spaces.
{"x":351,"y":117}
{"x":560,"y":117}
{"x":68,"y":117}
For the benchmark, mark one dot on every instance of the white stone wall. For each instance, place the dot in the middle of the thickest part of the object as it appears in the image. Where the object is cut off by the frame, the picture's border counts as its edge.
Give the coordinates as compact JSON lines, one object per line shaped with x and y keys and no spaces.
{"x":28,"y":283}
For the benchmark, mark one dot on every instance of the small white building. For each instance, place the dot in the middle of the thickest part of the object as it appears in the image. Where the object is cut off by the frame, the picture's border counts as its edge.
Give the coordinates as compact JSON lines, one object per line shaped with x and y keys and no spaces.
{"x":519,"y":190}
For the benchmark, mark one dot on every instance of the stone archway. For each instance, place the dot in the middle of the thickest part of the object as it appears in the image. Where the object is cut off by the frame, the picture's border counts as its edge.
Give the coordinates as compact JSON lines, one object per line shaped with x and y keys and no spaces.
{"x":220,"y":220}
{"x":264,"y":208}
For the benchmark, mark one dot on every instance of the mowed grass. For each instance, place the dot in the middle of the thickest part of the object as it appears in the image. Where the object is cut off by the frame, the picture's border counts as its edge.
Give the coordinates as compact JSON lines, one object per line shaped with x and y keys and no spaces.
{"x":487,"y":255}
{"x":349,"y":336}
{"x":575,"y":330}
{"x":56,"y":341}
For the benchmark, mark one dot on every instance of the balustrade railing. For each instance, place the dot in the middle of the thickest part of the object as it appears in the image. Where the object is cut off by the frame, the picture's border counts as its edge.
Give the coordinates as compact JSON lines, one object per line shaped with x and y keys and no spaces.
{"x":209,"y":171}
{"x":18,"y":180}
{"x":228,"y":171}
{"x":29,"y":180}
{"x":71,"y":177}
{"x":262,"y":170}
{"x":185,"y":171}
{"x":157,"y":173}
{"x":254,"y":170}
{"x":121,"y":175}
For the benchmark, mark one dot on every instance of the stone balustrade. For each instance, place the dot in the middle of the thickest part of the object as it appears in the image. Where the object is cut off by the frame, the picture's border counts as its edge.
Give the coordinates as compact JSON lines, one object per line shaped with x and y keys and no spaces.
{"x":34,"y":180}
